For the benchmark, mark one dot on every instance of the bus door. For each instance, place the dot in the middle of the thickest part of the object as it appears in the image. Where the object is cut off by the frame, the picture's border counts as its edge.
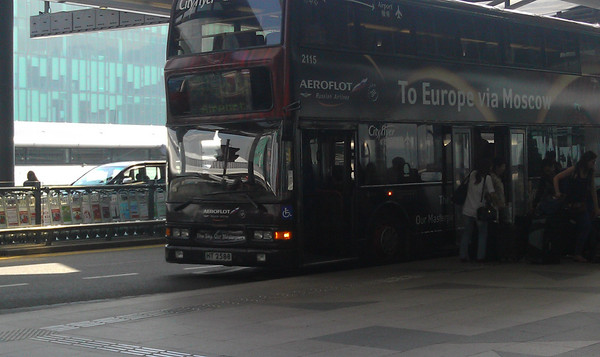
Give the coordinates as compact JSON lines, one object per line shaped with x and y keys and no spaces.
{"x":462,"y":163}
{"x":517,"y":207}
{"x":328,"y":184}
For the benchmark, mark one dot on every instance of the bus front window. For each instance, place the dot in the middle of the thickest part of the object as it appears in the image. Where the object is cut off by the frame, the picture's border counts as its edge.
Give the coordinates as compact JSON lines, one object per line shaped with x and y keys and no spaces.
{"x":203,"y":163}
{"x":215,"y":25}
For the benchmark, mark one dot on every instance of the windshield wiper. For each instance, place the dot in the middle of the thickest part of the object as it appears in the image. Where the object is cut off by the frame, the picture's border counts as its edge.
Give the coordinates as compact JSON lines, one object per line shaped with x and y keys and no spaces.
{"x":244,"y":194}
{"x":187,"y":203}
{"x":241,"y":193}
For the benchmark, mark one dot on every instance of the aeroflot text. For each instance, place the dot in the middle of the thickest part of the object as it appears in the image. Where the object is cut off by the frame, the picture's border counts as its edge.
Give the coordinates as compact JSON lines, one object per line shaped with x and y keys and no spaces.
{"x":467,"y":99}
{"x":326,"y":85}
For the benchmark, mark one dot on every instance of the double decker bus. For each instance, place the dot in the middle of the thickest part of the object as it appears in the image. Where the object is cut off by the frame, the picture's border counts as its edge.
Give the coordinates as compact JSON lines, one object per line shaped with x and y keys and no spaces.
{"x":310,"y":131}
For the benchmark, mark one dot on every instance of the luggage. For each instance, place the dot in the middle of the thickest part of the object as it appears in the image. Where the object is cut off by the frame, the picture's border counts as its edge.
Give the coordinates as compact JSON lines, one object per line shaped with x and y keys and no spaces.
{"x":544,"y":240}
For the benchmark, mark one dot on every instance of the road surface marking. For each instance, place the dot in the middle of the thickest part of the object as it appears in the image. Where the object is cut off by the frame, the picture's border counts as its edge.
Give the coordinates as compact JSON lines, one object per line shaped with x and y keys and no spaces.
{"x":202,"y":267}
{"x":37,"y":269}
{"x":109,"y":276}
{"x":13,"y":285}
{"x":89,"y":251}
{"x":221,"y":269}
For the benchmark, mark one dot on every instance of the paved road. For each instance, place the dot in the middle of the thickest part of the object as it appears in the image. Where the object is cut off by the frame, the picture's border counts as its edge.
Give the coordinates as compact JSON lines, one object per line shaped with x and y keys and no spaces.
{"x":438,"y":307}
{"x":49,"y":279}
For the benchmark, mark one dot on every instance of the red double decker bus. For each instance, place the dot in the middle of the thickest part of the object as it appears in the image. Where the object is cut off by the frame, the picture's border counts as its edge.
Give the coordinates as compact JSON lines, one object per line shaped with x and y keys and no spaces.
{"x":310,"y":131}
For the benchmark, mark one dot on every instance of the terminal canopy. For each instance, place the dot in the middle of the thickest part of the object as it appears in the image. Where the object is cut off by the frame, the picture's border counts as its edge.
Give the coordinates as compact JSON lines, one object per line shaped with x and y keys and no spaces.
{"x":577,"y":10}
{"x":160,"y":8}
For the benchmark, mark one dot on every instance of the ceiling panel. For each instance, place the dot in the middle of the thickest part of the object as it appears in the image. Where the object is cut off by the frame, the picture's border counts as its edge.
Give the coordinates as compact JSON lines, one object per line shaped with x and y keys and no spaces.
{"x":148,"y":7}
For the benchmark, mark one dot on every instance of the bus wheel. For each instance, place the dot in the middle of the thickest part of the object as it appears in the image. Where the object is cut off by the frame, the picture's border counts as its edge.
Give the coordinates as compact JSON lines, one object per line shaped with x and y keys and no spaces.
{"x":386,"y":242}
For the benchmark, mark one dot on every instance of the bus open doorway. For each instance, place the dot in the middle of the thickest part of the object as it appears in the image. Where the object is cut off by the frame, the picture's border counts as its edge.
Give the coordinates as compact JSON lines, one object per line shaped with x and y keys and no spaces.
{"x":508,"y":145}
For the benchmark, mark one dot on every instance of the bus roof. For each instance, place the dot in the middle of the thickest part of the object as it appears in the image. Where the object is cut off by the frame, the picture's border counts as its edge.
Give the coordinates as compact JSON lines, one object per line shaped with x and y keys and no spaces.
{"x":487,"y":7}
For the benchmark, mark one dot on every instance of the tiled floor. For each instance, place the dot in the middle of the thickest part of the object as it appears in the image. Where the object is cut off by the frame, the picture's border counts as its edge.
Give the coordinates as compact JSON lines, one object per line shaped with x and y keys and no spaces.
{"x":429,"y":308}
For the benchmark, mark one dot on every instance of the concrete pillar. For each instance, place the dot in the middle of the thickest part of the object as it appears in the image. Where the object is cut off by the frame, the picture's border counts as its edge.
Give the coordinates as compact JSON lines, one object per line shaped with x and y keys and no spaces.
{"x":7,"y":127}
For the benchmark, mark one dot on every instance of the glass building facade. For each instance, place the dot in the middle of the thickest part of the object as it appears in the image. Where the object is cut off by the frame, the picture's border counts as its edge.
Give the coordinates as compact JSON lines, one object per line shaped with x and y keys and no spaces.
{"x":112,"y":77}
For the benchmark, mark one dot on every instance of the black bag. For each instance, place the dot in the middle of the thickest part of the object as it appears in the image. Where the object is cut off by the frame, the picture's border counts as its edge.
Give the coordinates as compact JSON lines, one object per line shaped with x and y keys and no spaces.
{"x":460,"y":195}
{"x":487,"y":212}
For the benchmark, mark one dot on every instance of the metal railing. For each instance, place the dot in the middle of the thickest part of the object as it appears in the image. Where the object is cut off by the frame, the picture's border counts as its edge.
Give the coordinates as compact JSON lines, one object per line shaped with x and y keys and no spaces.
{"x":45,"y":214}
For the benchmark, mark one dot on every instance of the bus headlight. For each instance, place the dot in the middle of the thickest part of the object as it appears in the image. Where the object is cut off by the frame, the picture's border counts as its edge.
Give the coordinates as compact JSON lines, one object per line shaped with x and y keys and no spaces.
{"x":263,"y":236}
{"x":180,"y":233}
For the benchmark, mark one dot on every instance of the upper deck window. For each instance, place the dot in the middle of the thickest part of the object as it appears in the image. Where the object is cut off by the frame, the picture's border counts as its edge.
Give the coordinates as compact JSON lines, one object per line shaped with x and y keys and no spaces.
{"x":479,"y":39}
{"x":524,"y":47}
{"x":590,"y":54}
{"x":437,"y":34}
{"x":200,"y":26}
{"x":562,"y":51}
{"x":356,"y":25}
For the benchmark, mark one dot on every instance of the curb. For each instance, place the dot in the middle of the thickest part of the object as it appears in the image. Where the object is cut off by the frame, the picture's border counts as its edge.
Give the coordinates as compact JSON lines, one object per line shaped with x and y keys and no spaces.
{"x":78,"y":245}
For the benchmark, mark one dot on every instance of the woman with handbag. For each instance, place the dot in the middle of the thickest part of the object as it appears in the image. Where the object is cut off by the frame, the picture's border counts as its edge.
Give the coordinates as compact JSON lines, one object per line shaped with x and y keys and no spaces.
{"x":477,"y":210}
{"x":581,"y":198}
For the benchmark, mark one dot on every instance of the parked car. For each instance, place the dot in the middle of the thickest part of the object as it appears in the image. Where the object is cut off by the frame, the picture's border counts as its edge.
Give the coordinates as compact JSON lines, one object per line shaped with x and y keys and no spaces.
{"x":120,"y":173}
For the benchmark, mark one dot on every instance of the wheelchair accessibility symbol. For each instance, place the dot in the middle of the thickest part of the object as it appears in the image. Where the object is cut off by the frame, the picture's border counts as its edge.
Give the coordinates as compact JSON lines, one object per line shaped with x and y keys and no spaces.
{"x":286,"y":212}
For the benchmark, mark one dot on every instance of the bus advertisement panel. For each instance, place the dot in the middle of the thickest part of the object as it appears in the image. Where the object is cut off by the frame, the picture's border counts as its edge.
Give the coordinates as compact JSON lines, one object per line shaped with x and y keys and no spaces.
{"x":442,"y":61}
{"x":371,"y":86}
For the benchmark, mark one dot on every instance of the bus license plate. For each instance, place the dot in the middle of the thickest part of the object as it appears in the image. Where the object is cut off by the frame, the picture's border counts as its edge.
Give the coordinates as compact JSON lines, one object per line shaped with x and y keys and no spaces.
{"x":217,"y":256}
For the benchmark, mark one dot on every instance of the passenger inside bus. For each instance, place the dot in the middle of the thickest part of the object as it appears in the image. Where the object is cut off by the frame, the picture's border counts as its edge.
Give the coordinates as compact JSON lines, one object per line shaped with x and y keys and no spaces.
{"x":371,"y":177}
{"x":399,"y":172}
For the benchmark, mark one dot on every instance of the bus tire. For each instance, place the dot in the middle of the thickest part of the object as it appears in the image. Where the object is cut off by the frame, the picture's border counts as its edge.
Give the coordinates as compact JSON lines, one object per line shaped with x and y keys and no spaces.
{"x":387,"y":242}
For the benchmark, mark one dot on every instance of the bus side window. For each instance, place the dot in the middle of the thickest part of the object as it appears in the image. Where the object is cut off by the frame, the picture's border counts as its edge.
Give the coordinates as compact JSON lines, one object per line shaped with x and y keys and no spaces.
{"x":562,"y":52}
{"x":524,"y":47}
{"x":430,"y":145}
{"x":590,"y":54}
{"x":388,"y":153}
{"x":436,"y":35}
{"x":479,"y":39}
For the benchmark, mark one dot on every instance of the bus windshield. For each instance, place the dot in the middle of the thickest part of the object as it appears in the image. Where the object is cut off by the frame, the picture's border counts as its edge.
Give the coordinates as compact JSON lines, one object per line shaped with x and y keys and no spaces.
{"x":213,"y":25}
{"x":208,"y":162}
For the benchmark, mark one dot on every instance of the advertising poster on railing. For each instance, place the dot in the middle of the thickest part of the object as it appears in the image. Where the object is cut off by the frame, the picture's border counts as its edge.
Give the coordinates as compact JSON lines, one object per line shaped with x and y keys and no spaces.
{"x":65,"y":209}
{"x":105,"y":201}
{"x":12,"y":212}
{"x":160,"y":208}
{"x":124,"y":206}
{"x":2,"y":213}
{"x":31,"y":203}
{"x":23,"y":210}
{"x":96,"y":210}
{"x":134,"y":212}
{"x":76,"y":213}
{"x":86,"y":208}
{"x":114,"y":207}
{"x":55,"y":210}
{"x":46,"y":212}
{"x":142,"y":199}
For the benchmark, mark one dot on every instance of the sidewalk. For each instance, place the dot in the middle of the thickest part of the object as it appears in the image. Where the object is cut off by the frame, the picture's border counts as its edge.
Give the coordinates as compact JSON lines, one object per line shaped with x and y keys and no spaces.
{"x":12,"y":250}
{"x":438,"y":307}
